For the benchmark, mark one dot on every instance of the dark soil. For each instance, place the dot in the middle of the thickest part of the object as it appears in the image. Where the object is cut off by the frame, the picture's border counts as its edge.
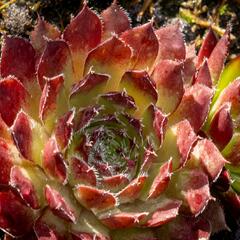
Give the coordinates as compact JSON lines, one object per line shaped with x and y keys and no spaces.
{"x":19,"y":18}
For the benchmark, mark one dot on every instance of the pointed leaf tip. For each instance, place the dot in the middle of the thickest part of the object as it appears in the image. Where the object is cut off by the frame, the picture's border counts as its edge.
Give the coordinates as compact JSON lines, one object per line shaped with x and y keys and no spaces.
{"x":115,"y":20}
{"x":82,"y":34}
{"x":144,"y":43}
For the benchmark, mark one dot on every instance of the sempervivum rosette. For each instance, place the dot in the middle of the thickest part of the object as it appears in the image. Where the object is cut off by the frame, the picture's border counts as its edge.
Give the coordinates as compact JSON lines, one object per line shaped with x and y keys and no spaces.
{"x":102,"y":131}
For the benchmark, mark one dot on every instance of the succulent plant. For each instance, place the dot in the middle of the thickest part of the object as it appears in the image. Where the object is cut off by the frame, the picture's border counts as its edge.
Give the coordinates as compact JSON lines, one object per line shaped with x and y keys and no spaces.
{"x":112,"y":132}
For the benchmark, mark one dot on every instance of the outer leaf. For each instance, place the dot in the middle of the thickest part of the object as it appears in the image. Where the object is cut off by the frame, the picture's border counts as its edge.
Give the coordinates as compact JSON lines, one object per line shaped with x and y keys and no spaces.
{"x":43,"y":30}
{"x":18,"y":59}
{"x":115,"y":20}
{"x":207,"y":155}
{"x":82,"y":35}
{"x":221,"y":126}
{"x":53,"y":101}
{"x":29,"y":137}
{"x":177,"y":144}
{"x":16,"y":95}
{"x":145,"y":46}
{"x":218,"y":56}
{"x":110,"y":57}
{"x":29,"y":182}
{"x":56,"y":59}
{"x":15,"y":217}
{"x":194,"y":106}
{"x":207,"y":47}
{"x":169,"y":82}
{"x":169,"y":49}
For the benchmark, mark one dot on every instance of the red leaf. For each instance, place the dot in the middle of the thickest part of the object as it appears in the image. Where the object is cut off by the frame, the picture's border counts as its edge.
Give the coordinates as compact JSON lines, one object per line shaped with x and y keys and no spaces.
{"x":58,"y":205}
{"x":204,"y":76}
{"x":164,"y":214}
{"x":18,"y":59}
{"x":207,"y":47}
{"x":221,"y":127}
{"x":169,"y":82}
{"x":194,"y":106}
{"x":169,"y":49}
{"x":55,"y":60}
{"x":82,"y":172}
{"x":94,"y":198}
{"x":24,"y":186}
{"x":145,"y":46}
{"x":209,"y":157}
{"x":22,"y":134}
{"x":64,"y":129}
{"x":43,"y":30}
{"x":53,"y":161}
{"x":161,"y":181}
{"x":110,"y":57}
{"x":82,"y":34}
{"x":6,"y":162}
{"x":132,"y":190}
{"x":218,"y":56}
{"x":115,"y":20}
{"x":123,"y":220}
{"x":12,"y":97}
{"x":15,"y":217}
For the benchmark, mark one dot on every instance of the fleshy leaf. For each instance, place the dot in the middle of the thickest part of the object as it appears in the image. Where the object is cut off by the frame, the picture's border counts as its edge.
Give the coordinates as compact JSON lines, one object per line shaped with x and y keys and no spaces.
{"x":84,"y":93}
{"x":167,"y":211}
{"x":15,"y":218}
{"x":64,"y":129}
{"x":161,"y":181}
{"x":82,"y":34}
{"x":110,"y":57}
{"x":154,"y":125}
{"x":43,"y":30}
{"x":207,"y":47}
{"x":218,"y":56}
{"x":144,"y":43}
{"x":177,"y":144}
{"x":115,"y":20}
{"x":167,"y":75}
{"x":50,"y":227}
{"x":221,"y":126}
{"x":53,"y":101}
{"x":194,"y":106}
{"x":29,"y":182}
{"x":132,"y":190}
{"x":53,"y":161}
{"x":80,"y":172}
{"x":18,"y":59}
{"x":194,"y":188}
{"x":16,"y":95}
{"x":169,"y":49}
{"x":94,"y":198}
{"x":56,"y":59}
{"x":207,"y":155}
{"x":123,"y":220}
{"x":203,"y":75}
{"x":62,"y":203}
{"x":139,"y":86}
